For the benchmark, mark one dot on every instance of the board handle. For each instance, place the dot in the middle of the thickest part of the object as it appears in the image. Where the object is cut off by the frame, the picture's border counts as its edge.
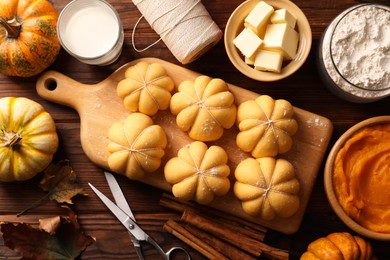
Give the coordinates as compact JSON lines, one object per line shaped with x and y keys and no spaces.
{"x":56,"y":87}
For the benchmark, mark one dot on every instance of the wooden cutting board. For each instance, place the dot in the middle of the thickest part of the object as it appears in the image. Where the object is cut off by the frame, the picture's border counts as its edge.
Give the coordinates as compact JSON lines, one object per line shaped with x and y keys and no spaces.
{"x":99,"y":107}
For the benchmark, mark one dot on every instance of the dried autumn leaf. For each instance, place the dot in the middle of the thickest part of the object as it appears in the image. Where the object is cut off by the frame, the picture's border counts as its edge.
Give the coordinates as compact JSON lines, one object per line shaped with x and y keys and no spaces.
{"x":50,"y":225}
{"x":60,"y":181}
{"x":66,"y":241}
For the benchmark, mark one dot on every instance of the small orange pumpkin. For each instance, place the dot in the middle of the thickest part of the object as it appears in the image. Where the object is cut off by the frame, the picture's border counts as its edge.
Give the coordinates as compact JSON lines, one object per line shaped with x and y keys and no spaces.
{"x":28,"y":37}
{"x":339,"y":246}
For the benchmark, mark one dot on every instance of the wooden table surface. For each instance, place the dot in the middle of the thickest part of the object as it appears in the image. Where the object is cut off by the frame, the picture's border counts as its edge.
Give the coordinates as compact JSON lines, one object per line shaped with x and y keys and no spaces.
{"x":304,"y":89}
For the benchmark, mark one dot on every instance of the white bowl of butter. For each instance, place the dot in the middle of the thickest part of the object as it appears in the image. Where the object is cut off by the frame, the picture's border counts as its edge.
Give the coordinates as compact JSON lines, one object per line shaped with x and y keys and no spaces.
{"x":267,"y":40}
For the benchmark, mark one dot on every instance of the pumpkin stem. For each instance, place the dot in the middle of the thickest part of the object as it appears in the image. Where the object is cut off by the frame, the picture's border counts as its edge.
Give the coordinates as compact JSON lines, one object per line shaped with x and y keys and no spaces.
{"x":11,"y":139}
{"x":12,"y":27}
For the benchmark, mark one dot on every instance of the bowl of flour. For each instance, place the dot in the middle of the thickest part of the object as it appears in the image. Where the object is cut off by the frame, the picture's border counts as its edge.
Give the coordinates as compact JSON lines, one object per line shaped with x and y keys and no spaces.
{"x":354,"y":54}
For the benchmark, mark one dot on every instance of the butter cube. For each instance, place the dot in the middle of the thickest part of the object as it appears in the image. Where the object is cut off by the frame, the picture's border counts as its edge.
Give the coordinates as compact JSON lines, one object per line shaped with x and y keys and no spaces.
{"x":281,"y":38}
{"x":269,"y":61}
{"x":247,"y":42}
{"x":283,"y":16}
{"x":251,"y":60}
{"x":258,"y":17}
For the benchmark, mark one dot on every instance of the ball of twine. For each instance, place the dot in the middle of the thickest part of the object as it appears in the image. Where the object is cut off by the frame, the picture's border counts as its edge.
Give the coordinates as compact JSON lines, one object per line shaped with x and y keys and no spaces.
{"x":185,"y":27}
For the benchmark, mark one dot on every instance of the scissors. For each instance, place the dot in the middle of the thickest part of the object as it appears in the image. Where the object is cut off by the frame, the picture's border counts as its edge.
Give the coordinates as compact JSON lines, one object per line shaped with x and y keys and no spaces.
{"x":122,"y":211}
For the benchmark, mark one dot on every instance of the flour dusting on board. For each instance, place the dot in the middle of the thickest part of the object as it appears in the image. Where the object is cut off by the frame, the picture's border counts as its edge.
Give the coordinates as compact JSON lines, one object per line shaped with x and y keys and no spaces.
{"x":315,"y":122}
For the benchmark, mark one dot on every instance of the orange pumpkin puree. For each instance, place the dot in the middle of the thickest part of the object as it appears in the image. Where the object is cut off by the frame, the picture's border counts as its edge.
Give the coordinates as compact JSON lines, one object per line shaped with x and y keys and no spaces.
{"x":362,"y":177}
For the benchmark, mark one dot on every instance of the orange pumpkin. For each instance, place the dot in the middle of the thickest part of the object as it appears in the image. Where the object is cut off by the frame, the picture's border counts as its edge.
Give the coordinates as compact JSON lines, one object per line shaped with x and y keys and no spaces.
{"x":339,"y":246}
{"x":28,"y":37}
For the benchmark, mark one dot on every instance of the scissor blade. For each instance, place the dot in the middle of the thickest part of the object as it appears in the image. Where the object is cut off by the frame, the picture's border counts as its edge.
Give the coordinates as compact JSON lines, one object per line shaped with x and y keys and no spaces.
{"x":120,"y":199}
{"x":125,"y":219}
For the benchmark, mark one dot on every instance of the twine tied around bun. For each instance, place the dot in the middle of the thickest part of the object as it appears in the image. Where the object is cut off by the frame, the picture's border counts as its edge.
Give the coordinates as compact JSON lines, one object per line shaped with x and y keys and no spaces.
{"x":185,"y":27}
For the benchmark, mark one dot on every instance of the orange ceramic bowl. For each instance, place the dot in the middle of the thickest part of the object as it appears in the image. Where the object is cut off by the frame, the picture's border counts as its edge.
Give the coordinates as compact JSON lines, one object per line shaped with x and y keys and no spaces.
{"x":328,"y":179}
{"x":235,"y":25}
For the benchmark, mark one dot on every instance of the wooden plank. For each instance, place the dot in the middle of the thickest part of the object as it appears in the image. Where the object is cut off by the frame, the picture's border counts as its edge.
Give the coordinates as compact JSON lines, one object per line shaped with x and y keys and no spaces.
{"x":99,"y":107}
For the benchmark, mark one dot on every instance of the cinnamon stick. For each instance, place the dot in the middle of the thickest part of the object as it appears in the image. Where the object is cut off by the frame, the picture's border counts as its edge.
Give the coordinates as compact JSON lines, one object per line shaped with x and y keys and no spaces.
{"x":238,"y":224}
{"x":181,"y":233}
{"x":226,"y":249}
{"x":250,"y":245}
{"x":245,"y":230}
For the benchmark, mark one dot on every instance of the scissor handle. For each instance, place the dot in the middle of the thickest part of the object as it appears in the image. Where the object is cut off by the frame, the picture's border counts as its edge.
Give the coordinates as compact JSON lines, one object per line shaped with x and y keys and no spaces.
{"x":170,"y":251}
{"x":166,"y":255}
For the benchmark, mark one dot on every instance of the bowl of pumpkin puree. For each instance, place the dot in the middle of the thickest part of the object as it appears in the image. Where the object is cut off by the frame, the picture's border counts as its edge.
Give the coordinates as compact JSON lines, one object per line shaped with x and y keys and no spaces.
{"x":357,"y":178}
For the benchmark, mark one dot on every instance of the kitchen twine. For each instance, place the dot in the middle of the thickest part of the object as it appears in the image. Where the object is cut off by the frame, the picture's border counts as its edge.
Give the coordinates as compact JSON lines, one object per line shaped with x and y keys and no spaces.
{"x":185,"y":27}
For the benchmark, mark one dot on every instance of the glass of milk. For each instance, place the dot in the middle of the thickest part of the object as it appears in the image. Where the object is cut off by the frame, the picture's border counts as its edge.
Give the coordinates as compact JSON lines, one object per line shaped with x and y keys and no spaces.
{"x":91,"y":31}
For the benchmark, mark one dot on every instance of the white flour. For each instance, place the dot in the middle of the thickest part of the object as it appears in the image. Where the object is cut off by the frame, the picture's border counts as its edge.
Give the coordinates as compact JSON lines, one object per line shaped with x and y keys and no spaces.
{"x":361,"y":47}
{"x":356,"y":53}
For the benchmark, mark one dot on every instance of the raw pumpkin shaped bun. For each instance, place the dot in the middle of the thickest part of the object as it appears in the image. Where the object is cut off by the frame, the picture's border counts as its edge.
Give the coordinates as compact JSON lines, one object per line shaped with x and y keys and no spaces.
{"x":136,"y":146}
{"x":266,"y":126}
{"x":146,"y":88}
{"x":267,"y":187}
{"x":198,"y":172}
{"x":204,"y":108}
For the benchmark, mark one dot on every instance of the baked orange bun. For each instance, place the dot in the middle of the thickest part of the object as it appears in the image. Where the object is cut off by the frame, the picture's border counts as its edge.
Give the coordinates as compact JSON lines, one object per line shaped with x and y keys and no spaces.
{"x":146,"y":88}
{"x":266,"y":126}
{"x":136,"y":146}
{"x":204,"y":108}
{"x":198,"y":172}
{"x":267,"y":187}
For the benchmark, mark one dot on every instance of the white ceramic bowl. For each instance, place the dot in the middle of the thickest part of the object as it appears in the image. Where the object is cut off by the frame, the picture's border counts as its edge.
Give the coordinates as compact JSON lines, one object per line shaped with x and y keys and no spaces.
{"x":235,"y":25}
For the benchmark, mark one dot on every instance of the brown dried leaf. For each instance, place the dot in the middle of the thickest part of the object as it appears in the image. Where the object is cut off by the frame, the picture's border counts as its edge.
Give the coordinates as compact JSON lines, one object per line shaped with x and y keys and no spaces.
{"x":50,"y":224}
{"x":64,"y":241}
{"x":60,"y":181}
